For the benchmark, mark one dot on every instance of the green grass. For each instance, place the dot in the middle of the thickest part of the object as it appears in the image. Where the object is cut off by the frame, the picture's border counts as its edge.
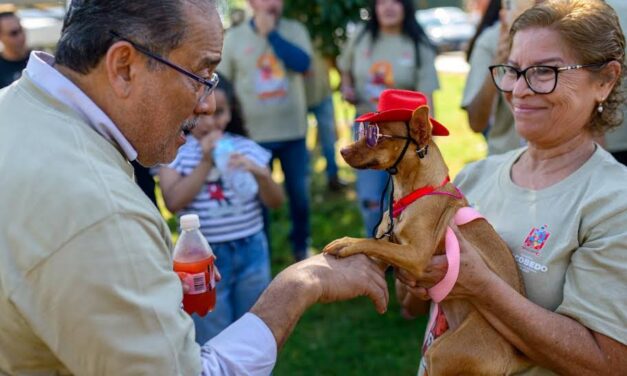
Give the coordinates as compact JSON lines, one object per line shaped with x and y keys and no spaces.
{"x":350,"y":338}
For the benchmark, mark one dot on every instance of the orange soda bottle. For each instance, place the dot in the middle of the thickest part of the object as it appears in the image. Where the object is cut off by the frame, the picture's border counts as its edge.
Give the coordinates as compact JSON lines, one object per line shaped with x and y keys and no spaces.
{"x":194,"y":262}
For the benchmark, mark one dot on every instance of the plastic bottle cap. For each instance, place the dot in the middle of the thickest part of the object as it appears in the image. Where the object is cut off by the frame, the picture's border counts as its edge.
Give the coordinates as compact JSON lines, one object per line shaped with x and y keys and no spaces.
{"x":190,"y":221}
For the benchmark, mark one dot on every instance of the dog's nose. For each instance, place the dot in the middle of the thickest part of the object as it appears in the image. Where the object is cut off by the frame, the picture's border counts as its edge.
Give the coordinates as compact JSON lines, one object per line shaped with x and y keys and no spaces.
{"x":344,"y":151}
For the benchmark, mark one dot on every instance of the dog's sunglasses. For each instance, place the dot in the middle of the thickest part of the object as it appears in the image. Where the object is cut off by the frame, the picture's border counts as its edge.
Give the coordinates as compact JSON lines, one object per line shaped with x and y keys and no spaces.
{"x":370,"y":132}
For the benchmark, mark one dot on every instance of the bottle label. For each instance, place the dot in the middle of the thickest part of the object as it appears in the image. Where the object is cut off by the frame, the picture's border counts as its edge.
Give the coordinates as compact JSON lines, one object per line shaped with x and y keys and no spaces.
{"x":197,"y":283}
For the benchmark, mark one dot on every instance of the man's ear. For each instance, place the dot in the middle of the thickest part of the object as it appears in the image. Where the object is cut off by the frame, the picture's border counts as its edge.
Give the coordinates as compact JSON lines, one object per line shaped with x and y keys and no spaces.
{"x":420,"y":125}
{"x":121,"y":64}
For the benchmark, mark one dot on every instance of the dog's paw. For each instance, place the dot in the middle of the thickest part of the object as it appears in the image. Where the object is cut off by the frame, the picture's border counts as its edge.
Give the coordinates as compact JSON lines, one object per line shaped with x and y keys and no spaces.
{"x":342,"y":247}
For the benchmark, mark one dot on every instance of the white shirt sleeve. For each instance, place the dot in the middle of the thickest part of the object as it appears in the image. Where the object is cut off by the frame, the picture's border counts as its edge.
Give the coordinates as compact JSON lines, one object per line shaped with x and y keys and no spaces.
{"x":246,"y":347}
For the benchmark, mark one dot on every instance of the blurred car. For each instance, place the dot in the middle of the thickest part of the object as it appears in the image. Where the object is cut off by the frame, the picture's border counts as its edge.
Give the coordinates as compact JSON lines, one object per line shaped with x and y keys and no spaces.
{"x":448,"y":28}
{"x":42,"y":26}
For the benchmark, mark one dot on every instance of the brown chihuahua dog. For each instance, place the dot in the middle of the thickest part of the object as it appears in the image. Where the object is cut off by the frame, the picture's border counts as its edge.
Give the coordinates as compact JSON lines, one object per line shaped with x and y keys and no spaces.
{"x":470,"y":345}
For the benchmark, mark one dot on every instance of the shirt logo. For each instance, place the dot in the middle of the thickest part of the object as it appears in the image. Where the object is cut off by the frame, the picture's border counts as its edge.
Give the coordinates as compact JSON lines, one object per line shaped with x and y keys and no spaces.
{"x":536,"y":239}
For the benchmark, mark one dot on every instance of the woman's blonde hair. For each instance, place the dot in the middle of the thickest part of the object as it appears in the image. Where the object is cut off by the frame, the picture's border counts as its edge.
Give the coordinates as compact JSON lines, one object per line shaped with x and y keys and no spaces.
{"x":591,"y":29}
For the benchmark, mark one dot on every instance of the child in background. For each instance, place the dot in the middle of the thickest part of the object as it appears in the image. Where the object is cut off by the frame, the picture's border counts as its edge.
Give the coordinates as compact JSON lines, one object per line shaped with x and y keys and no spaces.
{"x":233,"y":226}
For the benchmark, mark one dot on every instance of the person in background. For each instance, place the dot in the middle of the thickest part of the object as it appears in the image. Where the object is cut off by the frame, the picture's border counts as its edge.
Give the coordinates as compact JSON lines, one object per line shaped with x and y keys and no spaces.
{"x":616,"y":140}
{"x":560,"y":203}
{"x":87,"y":285}
{"x":266,"y":58}
{"x":14,"y":56}
{"x":233,"y":226}
{"x":390,"y":51}
{"x":489,"y":18}
{"x":320,"y":103}
{"x":486,"y":108}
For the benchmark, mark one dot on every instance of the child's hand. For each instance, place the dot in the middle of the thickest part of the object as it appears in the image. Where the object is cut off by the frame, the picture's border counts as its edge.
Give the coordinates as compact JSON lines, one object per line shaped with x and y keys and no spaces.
{"x":208,"y":143}
{"x":240,"y":161}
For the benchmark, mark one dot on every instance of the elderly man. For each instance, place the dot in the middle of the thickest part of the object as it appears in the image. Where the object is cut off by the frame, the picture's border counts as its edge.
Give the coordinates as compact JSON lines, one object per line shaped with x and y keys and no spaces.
{"x":14,"y":56}
{"x":86,"y":280}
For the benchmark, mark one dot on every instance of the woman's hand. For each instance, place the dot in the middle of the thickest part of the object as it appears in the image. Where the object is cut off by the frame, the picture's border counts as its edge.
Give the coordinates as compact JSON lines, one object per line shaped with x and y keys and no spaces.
{"x":474,"y":274}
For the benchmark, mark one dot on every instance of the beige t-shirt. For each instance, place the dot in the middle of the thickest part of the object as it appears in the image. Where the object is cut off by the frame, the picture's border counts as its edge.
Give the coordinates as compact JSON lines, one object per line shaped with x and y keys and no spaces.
{"x":317,"y":86}
{"x":502,"y":136}
{"x":388,"y":63}
{"x":616,"y":140}
{"x":569,"y":240}
{"x":272,"y":96}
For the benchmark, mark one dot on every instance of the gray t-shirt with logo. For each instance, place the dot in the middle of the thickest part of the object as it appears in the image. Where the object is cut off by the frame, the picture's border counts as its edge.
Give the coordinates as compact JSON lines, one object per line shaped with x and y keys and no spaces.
{"x":569,"y":240}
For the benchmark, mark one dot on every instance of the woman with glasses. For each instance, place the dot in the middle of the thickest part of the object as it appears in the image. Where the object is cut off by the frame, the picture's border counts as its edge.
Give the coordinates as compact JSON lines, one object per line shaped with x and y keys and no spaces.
{"x":391,"y":51}
{"x":560,"y":203}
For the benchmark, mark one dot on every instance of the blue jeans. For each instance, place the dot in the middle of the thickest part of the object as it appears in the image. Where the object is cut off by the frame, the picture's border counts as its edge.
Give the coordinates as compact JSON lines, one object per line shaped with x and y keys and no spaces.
{"x":245,"y":268}
{"x":294,"y":159}
{"x":369,"y":185}
{"x":325,"y":117}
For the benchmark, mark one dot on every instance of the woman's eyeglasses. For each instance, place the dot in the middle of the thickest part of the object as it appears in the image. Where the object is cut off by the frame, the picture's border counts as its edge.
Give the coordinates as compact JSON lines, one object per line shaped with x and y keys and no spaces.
{"x":541,"y":79}
{"x":370,"y":131}
{"x":208,"y":85}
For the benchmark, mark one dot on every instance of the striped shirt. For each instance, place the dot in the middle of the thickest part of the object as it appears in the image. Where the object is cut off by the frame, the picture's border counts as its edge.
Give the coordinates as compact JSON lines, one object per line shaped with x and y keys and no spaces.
{"x":223,"y":215}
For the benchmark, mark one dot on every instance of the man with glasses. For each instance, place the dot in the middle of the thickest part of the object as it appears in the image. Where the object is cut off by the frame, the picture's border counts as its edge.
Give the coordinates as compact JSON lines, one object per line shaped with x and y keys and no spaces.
{"x":14,"y":56}
{"x":86,"y":279}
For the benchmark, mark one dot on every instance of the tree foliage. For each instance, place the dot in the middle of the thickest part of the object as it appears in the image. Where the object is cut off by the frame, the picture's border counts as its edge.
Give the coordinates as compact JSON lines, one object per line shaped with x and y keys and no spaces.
{"x":326,"y":20}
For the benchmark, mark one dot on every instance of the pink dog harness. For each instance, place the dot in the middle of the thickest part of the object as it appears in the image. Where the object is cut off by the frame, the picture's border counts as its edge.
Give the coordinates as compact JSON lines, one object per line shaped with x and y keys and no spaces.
{"x":451,"y":244}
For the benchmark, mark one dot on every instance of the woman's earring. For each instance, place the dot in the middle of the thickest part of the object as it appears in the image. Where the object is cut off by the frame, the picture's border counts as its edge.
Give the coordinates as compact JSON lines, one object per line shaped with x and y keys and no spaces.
{"x":600,"y":107}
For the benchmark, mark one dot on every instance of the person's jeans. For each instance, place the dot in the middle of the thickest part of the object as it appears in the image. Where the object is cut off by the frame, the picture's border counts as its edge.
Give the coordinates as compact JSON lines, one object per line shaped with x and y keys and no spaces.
{"x":245,"y":268}
{"x":325,"y":117}
{"x":369,"y":185}
{"x":294,"y":159}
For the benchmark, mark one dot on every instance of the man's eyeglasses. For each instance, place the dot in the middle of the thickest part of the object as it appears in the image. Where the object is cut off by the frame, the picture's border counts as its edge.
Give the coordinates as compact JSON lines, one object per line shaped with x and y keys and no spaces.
{"x":370,"y":131}
{"x":541,"y":79}
{"x":207,"y":85}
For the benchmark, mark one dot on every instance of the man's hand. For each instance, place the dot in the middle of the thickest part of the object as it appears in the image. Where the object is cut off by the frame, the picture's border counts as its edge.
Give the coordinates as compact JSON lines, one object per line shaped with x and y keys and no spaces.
{"x":265,"y":22}
{"x":321,"y":278}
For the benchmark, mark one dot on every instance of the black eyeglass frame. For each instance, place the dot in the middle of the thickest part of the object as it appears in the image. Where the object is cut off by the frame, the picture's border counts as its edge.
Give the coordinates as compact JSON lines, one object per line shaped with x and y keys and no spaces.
{"x":209,"y":84}
{"x":556,"y":71}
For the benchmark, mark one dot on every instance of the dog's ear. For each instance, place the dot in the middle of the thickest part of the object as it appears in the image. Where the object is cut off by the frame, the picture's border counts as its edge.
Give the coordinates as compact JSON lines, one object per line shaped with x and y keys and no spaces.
{"x":420,"y":125}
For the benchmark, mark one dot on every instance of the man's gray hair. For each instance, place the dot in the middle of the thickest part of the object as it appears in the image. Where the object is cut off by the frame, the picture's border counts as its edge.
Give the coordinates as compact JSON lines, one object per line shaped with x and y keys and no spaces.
{"x":158,"y":25}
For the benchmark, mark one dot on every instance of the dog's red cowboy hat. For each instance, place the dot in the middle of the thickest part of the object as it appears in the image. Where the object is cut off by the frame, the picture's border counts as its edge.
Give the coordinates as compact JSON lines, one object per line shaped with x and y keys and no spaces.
{"x":398,"y":105}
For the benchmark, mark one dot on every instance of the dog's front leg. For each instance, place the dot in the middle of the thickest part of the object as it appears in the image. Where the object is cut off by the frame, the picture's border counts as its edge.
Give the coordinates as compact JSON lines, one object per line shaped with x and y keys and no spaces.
{"x":398,"y":255}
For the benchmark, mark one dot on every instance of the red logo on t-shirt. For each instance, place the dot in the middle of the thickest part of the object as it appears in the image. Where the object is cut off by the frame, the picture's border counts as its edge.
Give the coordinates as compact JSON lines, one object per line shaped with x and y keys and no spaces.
{"x":535,"y":241}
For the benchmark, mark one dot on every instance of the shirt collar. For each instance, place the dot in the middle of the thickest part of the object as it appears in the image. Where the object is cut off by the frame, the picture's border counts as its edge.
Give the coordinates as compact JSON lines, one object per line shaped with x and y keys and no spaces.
{"x":43,"y":74}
